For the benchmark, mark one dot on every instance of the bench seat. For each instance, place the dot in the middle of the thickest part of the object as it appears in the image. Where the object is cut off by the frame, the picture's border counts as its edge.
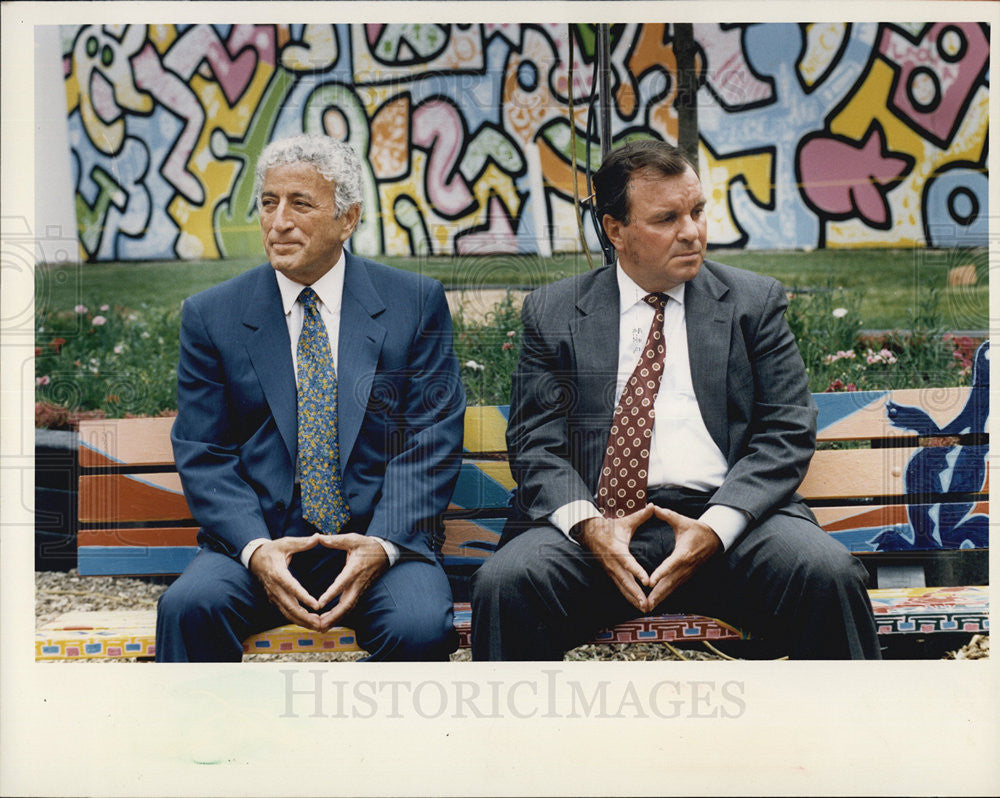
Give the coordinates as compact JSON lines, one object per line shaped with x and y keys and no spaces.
{"x":116,"y":634}
{"x":905,"y":498}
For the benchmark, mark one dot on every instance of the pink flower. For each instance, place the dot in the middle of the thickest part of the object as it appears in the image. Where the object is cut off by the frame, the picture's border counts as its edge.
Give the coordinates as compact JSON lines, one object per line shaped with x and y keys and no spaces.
{"x":105,"y":308}
{"x":42,"y":380}
{"x":80,"y":309}
{"x":507,"y":345}
{"x":841,"y":354}
{"x":99,"y":321}
{"x":511,"y":333}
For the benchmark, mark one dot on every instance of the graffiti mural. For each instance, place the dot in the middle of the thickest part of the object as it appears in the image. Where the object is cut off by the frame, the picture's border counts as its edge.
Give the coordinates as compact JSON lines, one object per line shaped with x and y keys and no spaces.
{"x":811,"y":135}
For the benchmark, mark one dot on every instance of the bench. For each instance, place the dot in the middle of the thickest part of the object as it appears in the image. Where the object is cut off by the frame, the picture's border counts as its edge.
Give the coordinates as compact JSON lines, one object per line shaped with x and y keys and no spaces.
{"x":900,"y":478}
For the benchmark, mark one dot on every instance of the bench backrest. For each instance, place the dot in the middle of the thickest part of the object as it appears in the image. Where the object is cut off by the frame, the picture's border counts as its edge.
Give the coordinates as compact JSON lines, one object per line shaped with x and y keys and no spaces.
{"x":914,"y":478}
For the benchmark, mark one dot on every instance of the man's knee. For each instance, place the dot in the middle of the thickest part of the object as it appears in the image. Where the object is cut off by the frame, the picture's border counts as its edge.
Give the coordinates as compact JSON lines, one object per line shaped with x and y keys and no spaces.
{"x":411,"y":634}
{"x":186,"y":608}
{"x":836,"y":568}
{"x":502,"y":576}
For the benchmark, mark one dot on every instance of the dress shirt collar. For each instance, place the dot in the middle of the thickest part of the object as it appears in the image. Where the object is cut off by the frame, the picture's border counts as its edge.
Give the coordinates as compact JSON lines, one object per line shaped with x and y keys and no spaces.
{"x":630,"y":293}
{"x":329,"y":288}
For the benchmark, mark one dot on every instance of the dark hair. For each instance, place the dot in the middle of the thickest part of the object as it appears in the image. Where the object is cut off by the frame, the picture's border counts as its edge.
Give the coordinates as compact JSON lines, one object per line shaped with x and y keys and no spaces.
{"x":612,"y":179}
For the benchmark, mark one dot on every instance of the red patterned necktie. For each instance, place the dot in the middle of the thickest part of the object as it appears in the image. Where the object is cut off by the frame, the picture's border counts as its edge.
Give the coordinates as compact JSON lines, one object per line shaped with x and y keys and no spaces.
{"x":625,"y":471}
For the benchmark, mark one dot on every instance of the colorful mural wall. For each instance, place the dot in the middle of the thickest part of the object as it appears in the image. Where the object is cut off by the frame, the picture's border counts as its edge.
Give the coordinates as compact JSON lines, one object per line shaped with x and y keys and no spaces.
{"x":835,"y":135}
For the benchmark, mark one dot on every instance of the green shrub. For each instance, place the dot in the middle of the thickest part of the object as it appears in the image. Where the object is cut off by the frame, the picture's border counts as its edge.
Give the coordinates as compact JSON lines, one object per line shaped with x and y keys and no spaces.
{"x":488,"y":351}
{"x":117,"y":361}
{"x":839,"y":356}
{"x":112,"y":361}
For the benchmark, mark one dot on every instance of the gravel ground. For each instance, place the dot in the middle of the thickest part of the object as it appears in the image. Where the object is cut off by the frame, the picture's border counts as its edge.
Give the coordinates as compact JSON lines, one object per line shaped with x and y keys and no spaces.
{"x":58,"y":592}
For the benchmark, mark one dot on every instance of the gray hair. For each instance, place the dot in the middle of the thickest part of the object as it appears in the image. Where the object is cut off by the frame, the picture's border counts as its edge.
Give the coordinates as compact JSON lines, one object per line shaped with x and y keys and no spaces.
{"x":334,"y":160}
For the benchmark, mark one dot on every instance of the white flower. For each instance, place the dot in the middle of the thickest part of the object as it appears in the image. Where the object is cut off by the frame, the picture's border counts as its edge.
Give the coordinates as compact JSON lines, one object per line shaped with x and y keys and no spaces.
{"x":99,"y":321}
{"x":119,"y":348}
{"x":472,"y":364}
{"x":81,"y":309}
{"x":839,"y":313}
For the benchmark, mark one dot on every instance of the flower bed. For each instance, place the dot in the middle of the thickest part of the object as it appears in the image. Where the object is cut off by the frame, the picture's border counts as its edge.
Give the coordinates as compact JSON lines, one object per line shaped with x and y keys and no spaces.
{"x":97,"y":360}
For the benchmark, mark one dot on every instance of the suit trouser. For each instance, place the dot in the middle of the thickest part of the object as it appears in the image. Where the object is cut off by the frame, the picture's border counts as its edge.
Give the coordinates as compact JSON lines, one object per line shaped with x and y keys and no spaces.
{"x":407,"y":615}
{"x":785,"y":579}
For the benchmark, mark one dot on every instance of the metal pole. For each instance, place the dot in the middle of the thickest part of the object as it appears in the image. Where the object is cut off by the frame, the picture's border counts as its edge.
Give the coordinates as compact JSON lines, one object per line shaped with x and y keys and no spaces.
{"x":604,"y":118}
{"x":685,"y":49}
{"x":604,"y":97}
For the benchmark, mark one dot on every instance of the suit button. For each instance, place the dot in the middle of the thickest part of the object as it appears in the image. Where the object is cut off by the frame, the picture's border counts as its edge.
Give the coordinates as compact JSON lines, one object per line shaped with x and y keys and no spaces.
{"x":280,"y":506}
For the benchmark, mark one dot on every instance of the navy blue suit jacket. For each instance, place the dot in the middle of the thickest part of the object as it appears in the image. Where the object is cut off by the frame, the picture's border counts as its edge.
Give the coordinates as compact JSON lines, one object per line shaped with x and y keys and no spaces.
{"x":400,"y":408}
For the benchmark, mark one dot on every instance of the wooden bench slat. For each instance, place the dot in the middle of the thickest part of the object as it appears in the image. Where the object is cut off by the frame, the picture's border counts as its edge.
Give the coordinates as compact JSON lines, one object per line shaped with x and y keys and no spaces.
{"x":861,"y":415}
{"x":865,"y":473}
{"x":138,"y":537}
{"x":853,"y":473}
{"x":117,"y":498}
{"x":134,"y":441}
{"x":890,"y":527}
{"x":843,"y":416}
{"x":134,"y":560}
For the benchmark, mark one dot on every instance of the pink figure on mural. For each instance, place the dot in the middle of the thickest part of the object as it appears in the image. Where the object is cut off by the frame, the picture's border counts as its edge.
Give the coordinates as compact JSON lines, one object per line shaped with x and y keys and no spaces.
{"x":842,"y":178}
{"x":438,"y":128}
{"x":937,"y":75}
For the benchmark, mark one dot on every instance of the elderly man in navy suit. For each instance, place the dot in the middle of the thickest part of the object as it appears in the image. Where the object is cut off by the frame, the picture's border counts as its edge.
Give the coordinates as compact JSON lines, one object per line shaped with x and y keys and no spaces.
{"x":320,"y":414}
{"x":660,"y":424}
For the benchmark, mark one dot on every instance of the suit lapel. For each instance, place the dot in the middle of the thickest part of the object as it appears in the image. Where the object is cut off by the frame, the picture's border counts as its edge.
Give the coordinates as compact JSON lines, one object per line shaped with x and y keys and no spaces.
{"x":269,"y":349}
{"x":708,"y":321}
{"x":595,"y":333}
{"x":360,"y":345}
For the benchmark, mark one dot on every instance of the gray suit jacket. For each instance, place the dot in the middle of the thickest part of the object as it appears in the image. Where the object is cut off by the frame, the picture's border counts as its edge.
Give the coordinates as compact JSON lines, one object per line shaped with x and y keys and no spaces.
{"x":748,"y":377}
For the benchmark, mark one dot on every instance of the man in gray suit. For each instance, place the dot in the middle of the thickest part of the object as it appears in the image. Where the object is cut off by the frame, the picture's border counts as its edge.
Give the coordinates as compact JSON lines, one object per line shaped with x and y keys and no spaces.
{"x":660,"y":425}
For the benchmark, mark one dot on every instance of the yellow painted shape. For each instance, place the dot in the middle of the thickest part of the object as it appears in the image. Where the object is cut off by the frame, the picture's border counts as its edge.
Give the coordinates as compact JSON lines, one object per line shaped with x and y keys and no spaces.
{"x":338,"y":639}
{"x":718,"y":174}
{"x":217,"y":176}
{"x":389,"y":138}
{"x":441,"y":231}
{"x":485,"y":429}
{"x":498,"y":470}
{"x":870,"y":103}
{"x":823,"y":42}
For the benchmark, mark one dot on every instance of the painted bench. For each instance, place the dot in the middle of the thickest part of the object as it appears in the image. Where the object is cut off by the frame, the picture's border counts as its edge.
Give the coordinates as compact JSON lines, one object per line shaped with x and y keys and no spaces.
{"x":900,"y":479}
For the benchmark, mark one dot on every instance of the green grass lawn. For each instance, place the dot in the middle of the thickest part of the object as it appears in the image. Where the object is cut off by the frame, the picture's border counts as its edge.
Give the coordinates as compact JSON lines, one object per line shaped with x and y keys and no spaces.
{"x":887,"y":285}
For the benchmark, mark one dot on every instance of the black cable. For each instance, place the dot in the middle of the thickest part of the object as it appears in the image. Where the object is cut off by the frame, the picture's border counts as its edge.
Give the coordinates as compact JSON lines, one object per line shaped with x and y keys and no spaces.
{"x":606,"y":248}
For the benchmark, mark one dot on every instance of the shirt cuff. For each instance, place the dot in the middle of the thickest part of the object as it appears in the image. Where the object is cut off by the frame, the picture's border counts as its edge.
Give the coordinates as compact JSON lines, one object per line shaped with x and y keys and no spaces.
{"x":249,"y":549}
{"x":569,"y":515}
{"x":727,"y":523}
{"x":391,"y":550}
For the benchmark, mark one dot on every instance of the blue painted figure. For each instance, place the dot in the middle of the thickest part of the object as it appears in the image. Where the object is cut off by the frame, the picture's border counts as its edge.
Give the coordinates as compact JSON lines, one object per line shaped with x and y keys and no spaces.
{"x":945,"y":468}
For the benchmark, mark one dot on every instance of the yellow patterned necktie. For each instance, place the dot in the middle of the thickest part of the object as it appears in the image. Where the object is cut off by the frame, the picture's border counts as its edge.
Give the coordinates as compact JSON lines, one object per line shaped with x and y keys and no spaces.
{"x":323,"y":502}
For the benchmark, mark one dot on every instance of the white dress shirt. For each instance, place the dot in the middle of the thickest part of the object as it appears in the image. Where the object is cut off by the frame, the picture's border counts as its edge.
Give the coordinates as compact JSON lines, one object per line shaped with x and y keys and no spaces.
{"x":678,"y":426}
{"x":329,"y":290}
